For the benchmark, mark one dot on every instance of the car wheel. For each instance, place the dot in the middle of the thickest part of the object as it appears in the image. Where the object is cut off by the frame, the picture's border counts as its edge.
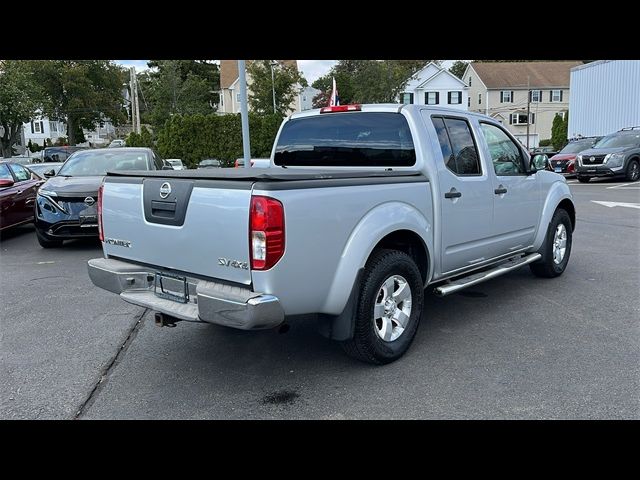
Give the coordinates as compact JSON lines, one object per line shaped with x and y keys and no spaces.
{"x":389,"y":308}
{"x":633,"y":171}
{"x":583,"y":179}
{"x":557,"y":247}
{"x":47,"y":242}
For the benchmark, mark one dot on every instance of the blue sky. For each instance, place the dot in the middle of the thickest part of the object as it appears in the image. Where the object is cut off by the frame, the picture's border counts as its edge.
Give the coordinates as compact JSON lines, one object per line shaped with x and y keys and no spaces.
{"x":311,"y":69}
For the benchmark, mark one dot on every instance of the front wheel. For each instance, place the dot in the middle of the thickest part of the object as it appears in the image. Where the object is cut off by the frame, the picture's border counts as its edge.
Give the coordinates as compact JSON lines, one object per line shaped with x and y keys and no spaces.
{"x":633,"y":171}
{"x":389,"y":308}
{"x":557,"y":247}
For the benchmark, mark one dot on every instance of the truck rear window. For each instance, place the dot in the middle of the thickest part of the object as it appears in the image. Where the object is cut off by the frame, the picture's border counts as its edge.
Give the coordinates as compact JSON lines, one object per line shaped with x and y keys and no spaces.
{"x":376,"y":139}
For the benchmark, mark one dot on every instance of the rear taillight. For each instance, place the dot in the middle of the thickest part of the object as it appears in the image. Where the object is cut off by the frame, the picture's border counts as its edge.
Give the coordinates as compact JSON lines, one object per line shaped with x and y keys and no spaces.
{"x":266,"y":232}
{"x":100,"y":230}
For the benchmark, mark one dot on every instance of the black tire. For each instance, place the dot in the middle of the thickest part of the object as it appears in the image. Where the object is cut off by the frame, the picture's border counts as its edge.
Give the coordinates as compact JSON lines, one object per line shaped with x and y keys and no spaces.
{"x":366,"y":345}
{"x":46,"y":242}
{"x":546,"y":267}
{"x":583,"y":179}
{"x":633,"y":171}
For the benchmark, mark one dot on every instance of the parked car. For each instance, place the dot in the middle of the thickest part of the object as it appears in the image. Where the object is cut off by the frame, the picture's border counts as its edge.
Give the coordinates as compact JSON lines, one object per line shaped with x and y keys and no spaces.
{"x":56,"y":154}
{"x":564,"y":161}
{"x":117,"y":143}
{"x":616,"y":155}
{"x":45,"y":169}
{"x":368,"y":212}
{"x":176,"y":163}
{"x":548,"y":150}
{"x":255,"y":162}
{"x":66,"y":203}
{"x":18,"y":187}
{"x":210,"y":163}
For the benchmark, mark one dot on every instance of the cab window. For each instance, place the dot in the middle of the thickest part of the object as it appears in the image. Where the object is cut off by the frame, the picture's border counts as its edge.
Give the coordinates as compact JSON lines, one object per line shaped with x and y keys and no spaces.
{"x":505,"y":154}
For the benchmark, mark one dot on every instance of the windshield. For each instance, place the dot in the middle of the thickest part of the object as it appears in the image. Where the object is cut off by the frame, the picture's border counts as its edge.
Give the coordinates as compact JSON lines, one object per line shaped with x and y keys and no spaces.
{"x":346,"y":139}
{"x":175,"y":162}
{"x":578,"y":146}
{"x":98,"y":162}
{"x":210,"y":162}
{"x":617,"y":140}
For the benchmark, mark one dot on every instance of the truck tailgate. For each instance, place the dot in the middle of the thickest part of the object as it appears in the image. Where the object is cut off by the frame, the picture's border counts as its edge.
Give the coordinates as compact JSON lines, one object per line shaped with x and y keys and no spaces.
{"x":192,"y":225}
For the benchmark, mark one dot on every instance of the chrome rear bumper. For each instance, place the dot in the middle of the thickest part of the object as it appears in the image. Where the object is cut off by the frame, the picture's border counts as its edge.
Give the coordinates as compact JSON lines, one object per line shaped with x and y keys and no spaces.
{"x":209,"y":302}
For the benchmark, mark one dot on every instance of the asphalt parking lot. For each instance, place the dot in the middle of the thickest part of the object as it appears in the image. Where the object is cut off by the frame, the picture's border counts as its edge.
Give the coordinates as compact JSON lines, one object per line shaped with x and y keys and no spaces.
{"x":515,"y":347}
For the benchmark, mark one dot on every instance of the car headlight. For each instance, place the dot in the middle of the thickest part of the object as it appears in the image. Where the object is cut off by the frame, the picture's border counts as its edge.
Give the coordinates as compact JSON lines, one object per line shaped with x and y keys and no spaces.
{"x":614,"y":160}
{"x":50,"y":197}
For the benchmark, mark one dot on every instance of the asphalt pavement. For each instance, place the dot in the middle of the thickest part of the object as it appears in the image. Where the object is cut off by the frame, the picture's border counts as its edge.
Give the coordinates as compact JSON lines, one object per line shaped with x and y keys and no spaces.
{"x":513,"y":348}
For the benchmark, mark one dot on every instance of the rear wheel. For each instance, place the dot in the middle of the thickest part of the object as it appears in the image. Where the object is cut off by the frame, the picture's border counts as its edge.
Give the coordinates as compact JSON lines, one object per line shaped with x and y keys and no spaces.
{"x":633,"y":171}
{"x":46,"y":242}
{"x":583,"y":179}
{"x":557,"y":247}
{"x":389,"y":308}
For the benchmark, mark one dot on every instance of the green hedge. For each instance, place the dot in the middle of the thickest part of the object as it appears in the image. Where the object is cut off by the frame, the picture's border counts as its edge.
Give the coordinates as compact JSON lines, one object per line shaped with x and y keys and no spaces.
{"x":193,"y":138}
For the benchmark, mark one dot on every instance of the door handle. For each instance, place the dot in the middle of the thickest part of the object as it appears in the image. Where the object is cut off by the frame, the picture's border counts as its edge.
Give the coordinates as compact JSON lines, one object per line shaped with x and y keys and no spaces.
{"x":453,"y":194}
{"x":500,"y":190}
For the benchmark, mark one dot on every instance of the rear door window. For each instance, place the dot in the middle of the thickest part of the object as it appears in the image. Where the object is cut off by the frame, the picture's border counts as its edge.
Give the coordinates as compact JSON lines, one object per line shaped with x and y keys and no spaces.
{"x":377,"y":139}
{"x":457,"y":144}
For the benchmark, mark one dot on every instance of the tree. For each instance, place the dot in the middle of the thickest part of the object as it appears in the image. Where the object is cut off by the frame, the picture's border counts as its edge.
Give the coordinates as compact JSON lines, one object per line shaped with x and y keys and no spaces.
{"x":142,"y":139}
{"x":368,"y":81}
{"x":286,"y":84}
{"x":21,"y":99}
{"x":85,"y":93}
{"x":177,"y":87}
{"x":458,"y":68}
{"x":559,"y":130}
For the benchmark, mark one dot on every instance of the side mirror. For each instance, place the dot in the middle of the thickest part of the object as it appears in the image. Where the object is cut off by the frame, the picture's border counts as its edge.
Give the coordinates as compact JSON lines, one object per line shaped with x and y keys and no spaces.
{"x":50,"y":173}
{"x":167,"y":167}
{"x":540,"y":162}
{"x":6,"y":183}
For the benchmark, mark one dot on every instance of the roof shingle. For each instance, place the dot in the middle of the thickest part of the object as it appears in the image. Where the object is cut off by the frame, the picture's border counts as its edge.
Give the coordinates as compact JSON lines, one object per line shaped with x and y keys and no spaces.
{"x":514,"y":74}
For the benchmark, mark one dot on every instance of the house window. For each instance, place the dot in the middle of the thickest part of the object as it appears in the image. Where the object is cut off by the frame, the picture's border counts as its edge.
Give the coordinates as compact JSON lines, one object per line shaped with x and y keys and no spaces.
{"x":36,"y":127}
{"x":238,"y":97}
{"x":468,"y":102}
{"x":432,"y":98}
{"x":455,"y":98}
{"x":521,"y":118}
{"x":506,"y":96}
{"x":222,"y":99}
{"x":555,"y":95}
{"x":469,"y":80}
{"x":407,"y":98}
{"x":53,"y":127}
{"x":479,"y":99}
{"x":535,"y":96}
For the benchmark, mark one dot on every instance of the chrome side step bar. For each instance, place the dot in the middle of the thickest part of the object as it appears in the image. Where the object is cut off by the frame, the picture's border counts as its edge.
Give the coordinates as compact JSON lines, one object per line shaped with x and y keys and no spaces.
{"x":464,"y":282}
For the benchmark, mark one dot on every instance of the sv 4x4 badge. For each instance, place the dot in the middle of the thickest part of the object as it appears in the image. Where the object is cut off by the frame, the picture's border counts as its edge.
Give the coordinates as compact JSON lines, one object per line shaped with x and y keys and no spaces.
{"x":226,"y":262}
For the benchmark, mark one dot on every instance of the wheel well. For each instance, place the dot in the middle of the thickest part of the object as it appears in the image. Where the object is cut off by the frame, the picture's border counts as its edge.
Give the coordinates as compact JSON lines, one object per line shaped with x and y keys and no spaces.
{"x":410,"y":243}
{"x":567,"y":205}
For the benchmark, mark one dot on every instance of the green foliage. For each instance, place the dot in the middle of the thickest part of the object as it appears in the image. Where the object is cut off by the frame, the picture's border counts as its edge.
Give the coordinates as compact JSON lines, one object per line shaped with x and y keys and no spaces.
{"x":21,"y":97}
{"x":458,"y":68}
{"x":177,"y":87}
{"x":367,"y":81}
{"x":285,"y":84}
{"x":559,"y":130}
{"x":83,"y":92}
{"x":193,"y":138}
{"x":49,"y":143}
{"x":545,"y":143}
{"x":142,"y":139}
{"x":61,"y":141}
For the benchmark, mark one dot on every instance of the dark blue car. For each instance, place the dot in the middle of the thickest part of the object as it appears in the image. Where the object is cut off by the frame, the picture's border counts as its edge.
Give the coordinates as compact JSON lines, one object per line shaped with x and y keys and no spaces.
{"x":66,"y":204}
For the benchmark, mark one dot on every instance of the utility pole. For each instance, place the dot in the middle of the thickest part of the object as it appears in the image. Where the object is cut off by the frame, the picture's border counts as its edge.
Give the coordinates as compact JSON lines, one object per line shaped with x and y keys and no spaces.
{"x":132,"y":75}
{"x":528,"y":107}
{"x":273,"y":84}
{"x":135,"y":106}
{"x":244,"y":114}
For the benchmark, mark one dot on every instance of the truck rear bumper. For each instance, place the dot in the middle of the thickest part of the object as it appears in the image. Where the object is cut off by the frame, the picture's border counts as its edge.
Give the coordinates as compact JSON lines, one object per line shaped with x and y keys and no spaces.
{"x":209,"y":302}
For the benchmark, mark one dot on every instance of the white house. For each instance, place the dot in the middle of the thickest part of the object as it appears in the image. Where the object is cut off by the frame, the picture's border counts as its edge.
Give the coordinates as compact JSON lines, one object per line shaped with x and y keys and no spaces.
{"x":41,"y":128}
{"x":305,"y":98}
{"x":434,"y":85}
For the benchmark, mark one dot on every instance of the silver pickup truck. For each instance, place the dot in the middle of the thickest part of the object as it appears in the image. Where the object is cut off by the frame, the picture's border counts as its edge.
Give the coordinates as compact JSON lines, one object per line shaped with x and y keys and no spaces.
{"x":364,"y":207}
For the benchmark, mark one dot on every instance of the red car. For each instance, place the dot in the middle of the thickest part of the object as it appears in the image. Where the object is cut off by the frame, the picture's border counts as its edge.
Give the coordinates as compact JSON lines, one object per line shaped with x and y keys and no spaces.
{"x":18,"y":187}
{"x":564,"y":161}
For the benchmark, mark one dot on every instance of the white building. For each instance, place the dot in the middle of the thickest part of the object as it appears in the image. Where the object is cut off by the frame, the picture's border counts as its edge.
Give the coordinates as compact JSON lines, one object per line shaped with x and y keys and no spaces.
{"x":100,"y":135}
{"x":605,"y":97}
{"x":40,"y":129}
{"x":305,"y":98}
{"x":434,"y":85}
